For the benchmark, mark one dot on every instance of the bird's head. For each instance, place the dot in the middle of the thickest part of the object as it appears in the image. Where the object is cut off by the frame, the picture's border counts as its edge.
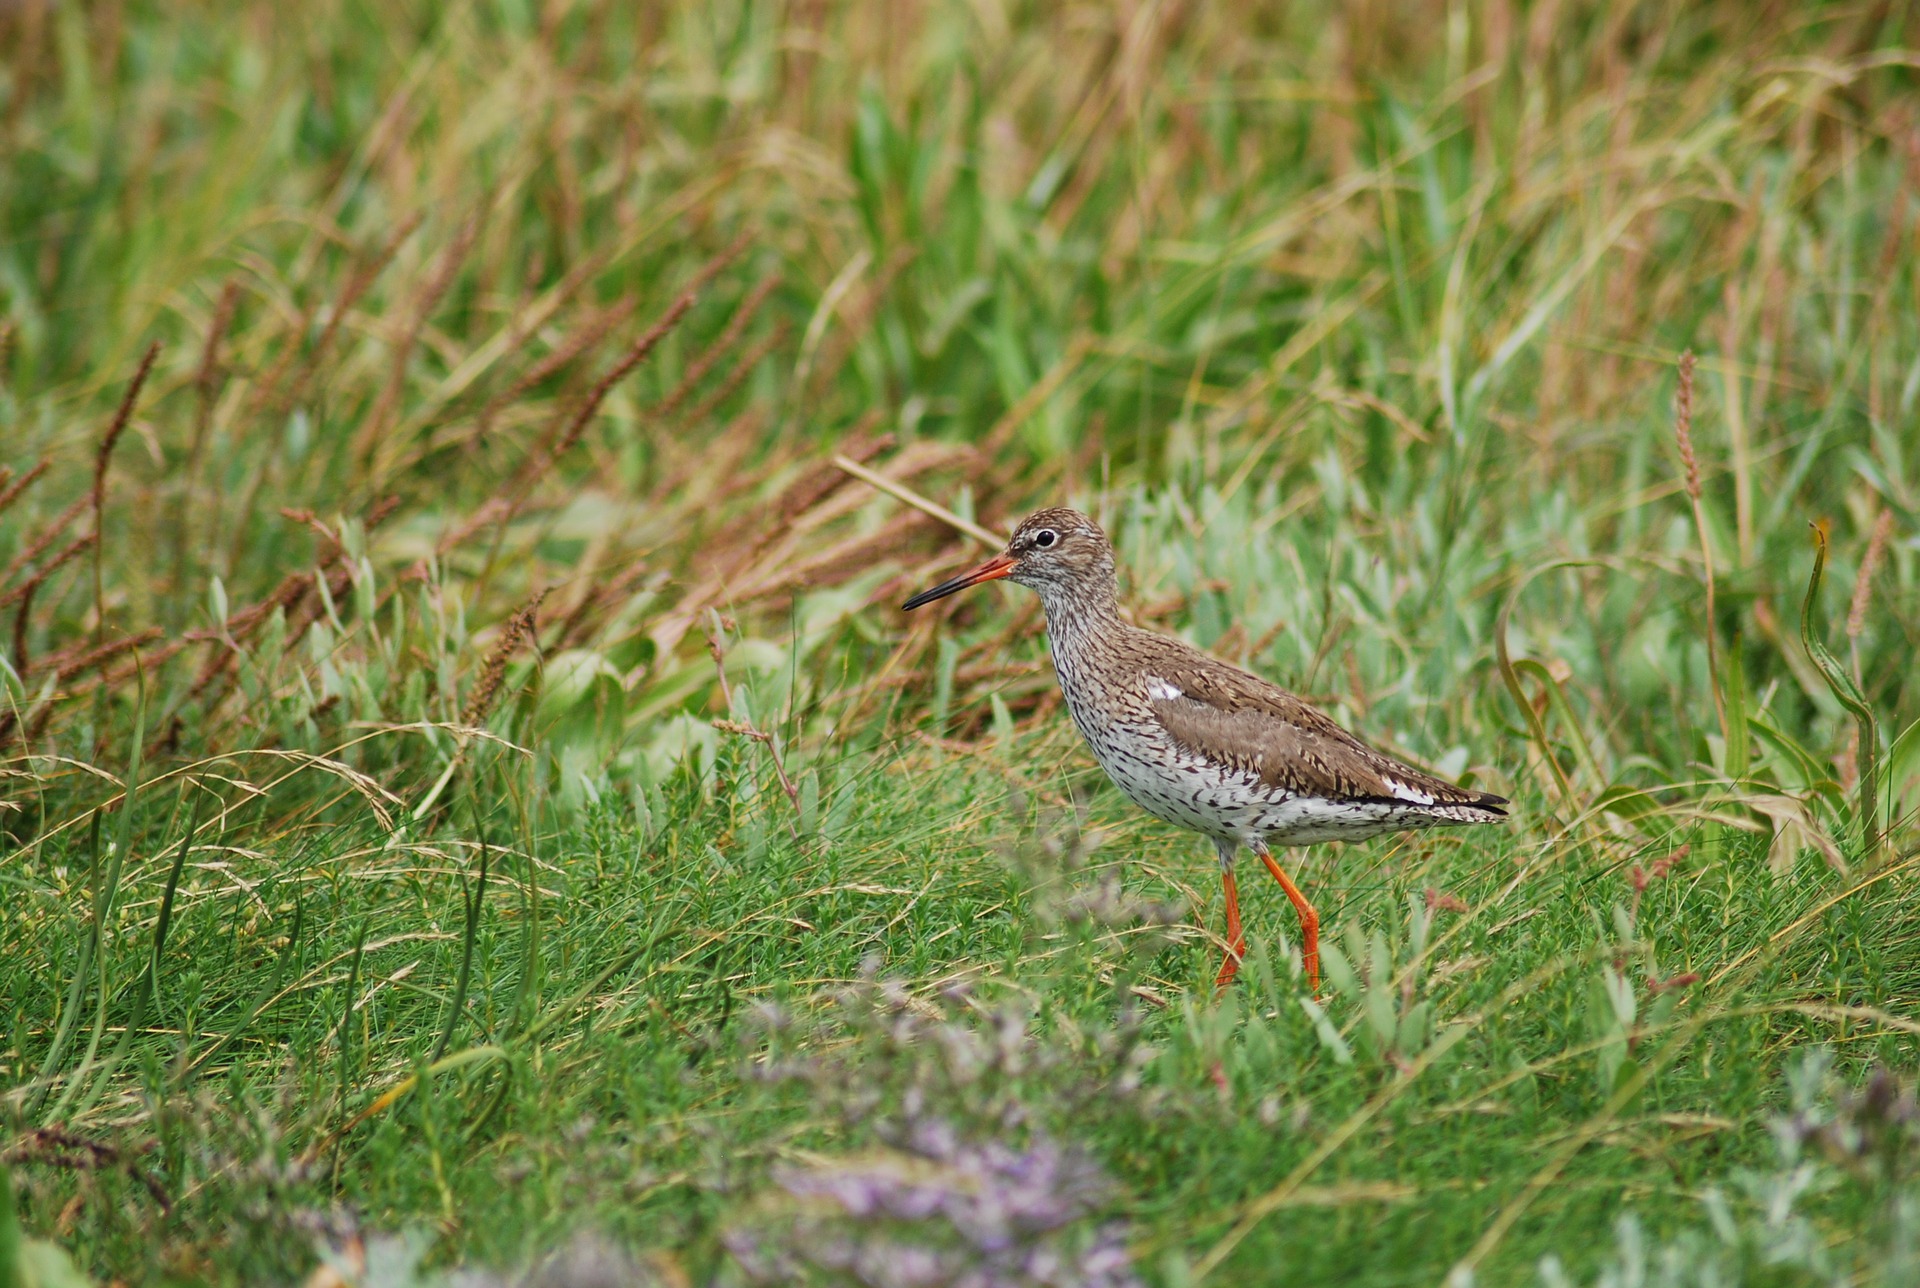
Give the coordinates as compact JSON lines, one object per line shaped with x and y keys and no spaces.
{"x":1060,"y":552}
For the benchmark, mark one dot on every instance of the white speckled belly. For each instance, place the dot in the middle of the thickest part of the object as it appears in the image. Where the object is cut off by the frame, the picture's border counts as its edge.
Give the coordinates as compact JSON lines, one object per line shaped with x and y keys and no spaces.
{"x":1226,"y":804}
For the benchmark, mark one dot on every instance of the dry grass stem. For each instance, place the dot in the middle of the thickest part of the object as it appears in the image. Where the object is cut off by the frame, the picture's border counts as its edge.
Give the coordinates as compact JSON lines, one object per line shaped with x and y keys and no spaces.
{"x":374,"y":428}
{"x":79,"y":664}
{"x":117,"y":427}
{"x":750,"y":732}
{"x":65,"y":555}
{"x":206,"y":384}
{"x":1690,"y":464}
{"x":10,"y":492}
{"x":268,"y":398}
{"x":1683,"y":425}
{"x":37,"y":546}
{"x":580,"y":341}
{"x":736,"y":326}
{"x":1869,"y":565}
{"x":738,"y":373}
{"x":22,"y":661}
{"x":537,"y":466}
{"x":486,"y":689}
{"x":933,"y":509}
{"x":206,"y":377}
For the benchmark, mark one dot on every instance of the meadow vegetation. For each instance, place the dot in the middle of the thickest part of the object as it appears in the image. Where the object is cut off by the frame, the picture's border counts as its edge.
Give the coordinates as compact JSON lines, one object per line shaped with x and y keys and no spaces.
{"x":468,"y":796}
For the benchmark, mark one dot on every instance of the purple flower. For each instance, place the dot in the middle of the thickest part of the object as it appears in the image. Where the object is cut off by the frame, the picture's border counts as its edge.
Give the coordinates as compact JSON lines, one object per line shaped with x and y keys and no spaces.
{"x":968,"y":1189}
{"x":949,"y":1214}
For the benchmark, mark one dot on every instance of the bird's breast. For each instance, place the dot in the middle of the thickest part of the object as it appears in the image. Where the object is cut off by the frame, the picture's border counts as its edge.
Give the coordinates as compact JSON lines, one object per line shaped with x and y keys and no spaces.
{"x":1143,"y":761}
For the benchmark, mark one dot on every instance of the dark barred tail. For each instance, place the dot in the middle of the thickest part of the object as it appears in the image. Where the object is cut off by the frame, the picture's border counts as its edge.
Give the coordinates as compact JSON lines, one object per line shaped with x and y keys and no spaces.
{"x":1484,"y":807}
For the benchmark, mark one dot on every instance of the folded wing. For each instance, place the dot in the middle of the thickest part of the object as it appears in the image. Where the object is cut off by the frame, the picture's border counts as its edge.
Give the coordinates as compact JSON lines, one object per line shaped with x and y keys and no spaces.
{"x":1231,"y":717}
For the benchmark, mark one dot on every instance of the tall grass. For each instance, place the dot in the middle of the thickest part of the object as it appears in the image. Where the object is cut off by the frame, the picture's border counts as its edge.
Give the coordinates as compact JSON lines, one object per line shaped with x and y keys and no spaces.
{"x":451,"y":672}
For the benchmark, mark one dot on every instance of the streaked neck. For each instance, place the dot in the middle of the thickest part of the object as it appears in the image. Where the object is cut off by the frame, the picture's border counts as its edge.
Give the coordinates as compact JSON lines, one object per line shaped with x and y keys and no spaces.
{"x":1077,"y":612}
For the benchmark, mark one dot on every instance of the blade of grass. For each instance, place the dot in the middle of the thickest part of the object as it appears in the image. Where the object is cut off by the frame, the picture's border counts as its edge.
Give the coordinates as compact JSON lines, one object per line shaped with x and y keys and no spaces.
{"x":108,"y":892}
{"x":150,"y":976}
{"x":252,"y":1012}
{"x":83,"y":971}
{"x":1841,"y":685}
{"x":345,"y":1030}
{"x":474,"y":901}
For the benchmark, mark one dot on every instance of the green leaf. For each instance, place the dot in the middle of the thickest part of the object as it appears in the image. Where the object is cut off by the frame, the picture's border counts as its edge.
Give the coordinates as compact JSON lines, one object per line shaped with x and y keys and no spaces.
{"x":1339,"y":971}
{"x":1324,"y":1027}
{"x":1903,"y":767}
{"x":1803,"y":770}
{"x":1738,"y":753}
{"x":1380,"y":1014}
{"x":1416,"y":1029}
{"x":1848,"y":693}
{"x":1626,"y":802}
{"x":1628,"y":1071}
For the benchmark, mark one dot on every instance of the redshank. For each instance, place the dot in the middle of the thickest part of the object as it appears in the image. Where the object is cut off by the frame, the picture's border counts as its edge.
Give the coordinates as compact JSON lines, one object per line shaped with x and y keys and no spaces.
{"x":1208,"y":746}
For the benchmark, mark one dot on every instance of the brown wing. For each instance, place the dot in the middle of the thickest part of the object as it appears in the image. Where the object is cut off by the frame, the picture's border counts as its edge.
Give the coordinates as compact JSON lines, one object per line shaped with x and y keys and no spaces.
{"x":1227,"y":715}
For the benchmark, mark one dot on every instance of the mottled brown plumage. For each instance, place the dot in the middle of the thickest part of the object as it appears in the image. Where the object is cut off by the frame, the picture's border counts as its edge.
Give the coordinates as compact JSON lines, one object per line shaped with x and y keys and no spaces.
{"x":1198,"y":742}
{"x":1238,"y":719}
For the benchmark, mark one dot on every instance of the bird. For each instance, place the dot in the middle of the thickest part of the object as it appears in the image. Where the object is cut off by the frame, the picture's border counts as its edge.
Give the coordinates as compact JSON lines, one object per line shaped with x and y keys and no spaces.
{"x":1203,"y":744}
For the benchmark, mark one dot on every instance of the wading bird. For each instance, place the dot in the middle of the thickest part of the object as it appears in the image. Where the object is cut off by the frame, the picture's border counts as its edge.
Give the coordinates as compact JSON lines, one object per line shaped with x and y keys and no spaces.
{"x":1197,"y":742}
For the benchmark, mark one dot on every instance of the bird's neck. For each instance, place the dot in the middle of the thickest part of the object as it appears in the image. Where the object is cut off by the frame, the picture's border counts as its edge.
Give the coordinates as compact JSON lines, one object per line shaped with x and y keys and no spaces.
{"x":1080,"y":614}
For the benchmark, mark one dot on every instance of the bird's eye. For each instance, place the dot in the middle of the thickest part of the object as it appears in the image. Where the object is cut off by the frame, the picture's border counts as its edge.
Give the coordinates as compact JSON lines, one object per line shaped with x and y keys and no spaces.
{"x":1045,"y":537}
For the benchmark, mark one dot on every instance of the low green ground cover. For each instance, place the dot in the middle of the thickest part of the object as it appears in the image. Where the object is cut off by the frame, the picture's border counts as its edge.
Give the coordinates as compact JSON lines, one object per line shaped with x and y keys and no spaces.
{"x":470,"y":797}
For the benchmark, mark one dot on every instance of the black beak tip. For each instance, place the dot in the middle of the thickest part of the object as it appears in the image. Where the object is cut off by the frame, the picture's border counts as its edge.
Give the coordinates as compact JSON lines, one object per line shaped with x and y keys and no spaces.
{"x":989,"y":571}
{"x":941,"y":591}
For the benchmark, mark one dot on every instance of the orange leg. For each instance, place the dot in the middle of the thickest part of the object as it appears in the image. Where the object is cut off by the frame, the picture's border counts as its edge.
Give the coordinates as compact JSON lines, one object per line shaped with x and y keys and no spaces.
{"x":1236,"y":938}
{"x":1309,"y":920}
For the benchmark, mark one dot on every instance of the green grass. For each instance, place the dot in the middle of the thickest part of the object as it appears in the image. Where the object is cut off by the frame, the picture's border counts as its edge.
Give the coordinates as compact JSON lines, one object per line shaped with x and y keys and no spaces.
{"x":1358,"y":325}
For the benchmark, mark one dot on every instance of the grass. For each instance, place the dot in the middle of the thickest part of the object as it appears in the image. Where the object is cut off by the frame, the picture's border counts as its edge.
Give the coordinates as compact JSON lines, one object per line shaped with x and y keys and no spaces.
{"x":463,"y":756}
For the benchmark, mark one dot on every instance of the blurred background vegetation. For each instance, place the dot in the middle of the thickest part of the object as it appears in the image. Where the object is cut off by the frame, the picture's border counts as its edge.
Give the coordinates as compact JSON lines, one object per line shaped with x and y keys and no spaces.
{"x":420,"y":424}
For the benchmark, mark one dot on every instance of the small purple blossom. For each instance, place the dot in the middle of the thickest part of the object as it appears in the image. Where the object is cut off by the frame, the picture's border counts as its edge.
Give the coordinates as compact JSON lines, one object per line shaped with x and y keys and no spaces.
{"x":966,"y":1190}
{"x":989,"y":1193}
{"x":950,"y":1214}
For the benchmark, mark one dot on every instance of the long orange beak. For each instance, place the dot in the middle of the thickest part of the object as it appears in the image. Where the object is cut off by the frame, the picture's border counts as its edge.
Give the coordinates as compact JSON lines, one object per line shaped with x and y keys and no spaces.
{"x":992,"y":570}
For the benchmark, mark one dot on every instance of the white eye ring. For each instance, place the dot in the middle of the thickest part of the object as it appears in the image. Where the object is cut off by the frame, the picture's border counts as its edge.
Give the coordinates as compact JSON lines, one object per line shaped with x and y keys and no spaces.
{"x":1045,"y":538}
